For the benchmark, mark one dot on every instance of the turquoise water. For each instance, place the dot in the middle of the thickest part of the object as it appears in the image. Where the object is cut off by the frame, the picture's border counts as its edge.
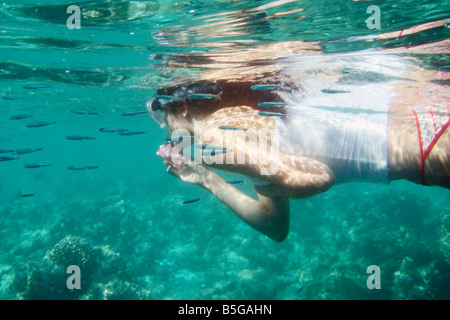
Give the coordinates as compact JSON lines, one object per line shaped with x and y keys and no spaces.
{"x":125,"y":218}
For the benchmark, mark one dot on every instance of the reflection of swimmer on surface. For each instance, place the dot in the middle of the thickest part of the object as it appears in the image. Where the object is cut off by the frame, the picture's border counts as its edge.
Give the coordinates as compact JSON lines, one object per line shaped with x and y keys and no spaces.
{"x":367,"y":116}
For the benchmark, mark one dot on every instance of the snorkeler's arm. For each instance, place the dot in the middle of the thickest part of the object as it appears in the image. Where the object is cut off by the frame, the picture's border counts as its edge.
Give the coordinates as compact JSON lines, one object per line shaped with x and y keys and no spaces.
{"x":250,"y":153}
{"x":269,"y":215}
{"x":287,"y":175}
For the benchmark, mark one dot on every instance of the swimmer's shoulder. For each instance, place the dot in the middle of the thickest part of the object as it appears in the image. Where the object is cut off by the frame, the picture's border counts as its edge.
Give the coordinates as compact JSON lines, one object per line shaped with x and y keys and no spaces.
{"x":241,"y":117}
{"x":227,"y":112}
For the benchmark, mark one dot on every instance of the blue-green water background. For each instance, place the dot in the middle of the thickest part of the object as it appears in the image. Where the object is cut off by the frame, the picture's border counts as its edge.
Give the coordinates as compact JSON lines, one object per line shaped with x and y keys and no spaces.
{"x":148,"y":244}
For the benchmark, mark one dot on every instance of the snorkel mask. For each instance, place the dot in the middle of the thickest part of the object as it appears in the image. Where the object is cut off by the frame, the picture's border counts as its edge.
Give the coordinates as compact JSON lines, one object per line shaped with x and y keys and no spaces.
{"x":156,"y":110}
{"x":159,"y":105}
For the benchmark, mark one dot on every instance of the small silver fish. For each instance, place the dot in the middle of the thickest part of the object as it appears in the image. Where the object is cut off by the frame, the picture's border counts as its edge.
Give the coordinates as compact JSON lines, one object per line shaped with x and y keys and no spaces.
{"x":234,"y":181}
{"x":35,"y":86}
{"x":37,"y":165}
{"x":265,"y":86}
{"x":202,"y":96}
{"x":112,"y":130}
{"x":26,"y":195}
{"x":133,"y":113}
{"x":82,"y":167}
{"x":164,"y":97}
{"x":190,"y":201}
{"x":208,"y":147}
{"x":330,"y":91}
{"x":12,"y":98}
{"x":132,"y":133}
{"x":40,"y":124}
{"x":24,"y":151}
{"x":79,"y":138}
{"x":84,"y":112}
{"x":20,"y":116}
{"x":270,"y":114}
{"x":231,"y":128}
{"x":214,"y":152}
{"x":8,"y":158}
{"x":178,"y":139}
{"x":271,"y":104}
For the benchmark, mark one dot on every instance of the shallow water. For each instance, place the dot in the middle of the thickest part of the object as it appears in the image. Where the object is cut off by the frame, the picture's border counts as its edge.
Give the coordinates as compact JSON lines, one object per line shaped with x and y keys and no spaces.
{"x":129,"y":210}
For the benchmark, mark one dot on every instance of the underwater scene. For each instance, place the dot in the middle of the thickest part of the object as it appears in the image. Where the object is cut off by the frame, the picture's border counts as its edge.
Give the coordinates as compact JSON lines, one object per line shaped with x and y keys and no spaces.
{"x":81,"y":183}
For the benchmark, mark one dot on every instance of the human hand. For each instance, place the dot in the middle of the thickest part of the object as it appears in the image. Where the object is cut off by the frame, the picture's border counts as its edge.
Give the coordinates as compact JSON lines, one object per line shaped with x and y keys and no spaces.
{"x":182,"y":166}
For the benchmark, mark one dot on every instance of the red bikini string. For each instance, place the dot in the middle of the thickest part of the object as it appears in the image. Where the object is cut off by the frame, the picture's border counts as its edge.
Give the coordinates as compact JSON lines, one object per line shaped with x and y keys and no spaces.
{"x":423,"y":155}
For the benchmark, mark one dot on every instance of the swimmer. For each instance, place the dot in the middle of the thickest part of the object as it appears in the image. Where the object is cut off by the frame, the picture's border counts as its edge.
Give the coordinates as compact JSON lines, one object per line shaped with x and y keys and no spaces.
{"x":375,"y":131}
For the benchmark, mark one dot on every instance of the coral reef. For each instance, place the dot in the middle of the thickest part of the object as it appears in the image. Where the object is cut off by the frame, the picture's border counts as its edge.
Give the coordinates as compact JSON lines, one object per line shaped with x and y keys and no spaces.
{"x":102,"y":274}
{"x":46,"y":279}
{"x":127,"y":249}
{"x":119,"y":290}
{"x":74,"y":251}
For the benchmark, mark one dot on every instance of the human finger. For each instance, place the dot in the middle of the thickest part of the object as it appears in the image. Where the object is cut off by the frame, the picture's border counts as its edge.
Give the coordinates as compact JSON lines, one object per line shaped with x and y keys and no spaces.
{"x":172,"y":171}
